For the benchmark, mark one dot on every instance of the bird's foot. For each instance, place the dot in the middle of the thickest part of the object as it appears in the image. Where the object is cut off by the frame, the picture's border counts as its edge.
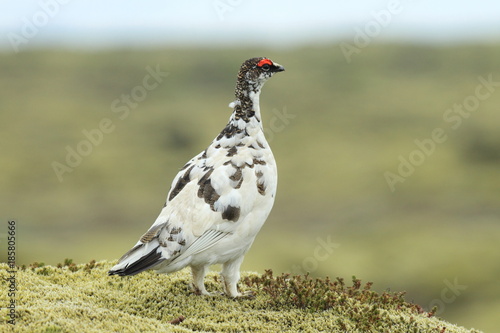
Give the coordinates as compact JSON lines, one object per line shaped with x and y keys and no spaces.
{"x":244,"y":295}
{"x":203,"y":292}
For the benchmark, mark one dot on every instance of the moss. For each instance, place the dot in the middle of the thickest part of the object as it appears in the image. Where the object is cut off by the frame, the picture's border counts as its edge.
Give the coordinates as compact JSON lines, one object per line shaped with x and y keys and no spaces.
{"x":83,"y":298}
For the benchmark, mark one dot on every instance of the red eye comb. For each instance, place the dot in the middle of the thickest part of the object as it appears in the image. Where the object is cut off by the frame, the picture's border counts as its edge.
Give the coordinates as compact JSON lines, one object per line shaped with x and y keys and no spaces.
{"x":265,"y":62}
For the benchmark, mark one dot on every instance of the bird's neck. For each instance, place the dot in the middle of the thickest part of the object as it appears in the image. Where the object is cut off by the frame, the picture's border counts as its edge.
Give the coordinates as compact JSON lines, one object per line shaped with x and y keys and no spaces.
{"x":245,"y":119}
{"x":246,"y":106}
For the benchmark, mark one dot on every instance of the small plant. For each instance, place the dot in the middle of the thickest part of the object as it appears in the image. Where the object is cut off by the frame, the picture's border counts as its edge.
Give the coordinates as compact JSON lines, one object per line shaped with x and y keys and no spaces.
{"x":39,"y":267}
{"x":36,"y":265}
{"x":89,"y":266}
{"x":358,"y":302}
{"x":68,"y":263}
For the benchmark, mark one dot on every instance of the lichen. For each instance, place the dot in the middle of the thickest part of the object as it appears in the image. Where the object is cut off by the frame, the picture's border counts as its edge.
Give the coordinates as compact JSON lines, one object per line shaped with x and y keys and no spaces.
{"x":83,"y":298}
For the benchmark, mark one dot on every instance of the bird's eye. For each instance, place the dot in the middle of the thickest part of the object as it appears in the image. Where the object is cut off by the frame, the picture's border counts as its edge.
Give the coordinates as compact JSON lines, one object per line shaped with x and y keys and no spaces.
{"x":266,"y":67}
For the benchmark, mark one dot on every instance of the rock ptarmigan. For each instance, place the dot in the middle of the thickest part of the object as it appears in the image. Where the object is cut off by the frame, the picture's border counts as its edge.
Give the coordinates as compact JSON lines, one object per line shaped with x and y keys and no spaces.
{"x":219,"y":200}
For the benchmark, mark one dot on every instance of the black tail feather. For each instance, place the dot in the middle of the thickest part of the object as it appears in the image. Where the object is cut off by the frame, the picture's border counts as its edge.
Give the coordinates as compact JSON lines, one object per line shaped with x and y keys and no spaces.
{"x":148,"y":261}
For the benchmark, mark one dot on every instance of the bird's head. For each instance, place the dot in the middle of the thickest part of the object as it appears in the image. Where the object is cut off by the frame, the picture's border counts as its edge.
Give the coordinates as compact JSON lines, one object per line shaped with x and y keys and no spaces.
{"x":257,"y":71}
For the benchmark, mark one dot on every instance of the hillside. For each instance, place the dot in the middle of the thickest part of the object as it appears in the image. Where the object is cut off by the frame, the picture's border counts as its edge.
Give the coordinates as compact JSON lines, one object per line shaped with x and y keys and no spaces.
{"x":82,"y":298}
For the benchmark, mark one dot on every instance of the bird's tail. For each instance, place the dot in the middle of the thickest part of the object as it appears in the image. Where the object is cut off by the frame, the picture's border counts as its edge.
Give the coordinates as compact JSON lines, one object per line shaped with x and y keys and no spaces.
{"x":140,"y":258}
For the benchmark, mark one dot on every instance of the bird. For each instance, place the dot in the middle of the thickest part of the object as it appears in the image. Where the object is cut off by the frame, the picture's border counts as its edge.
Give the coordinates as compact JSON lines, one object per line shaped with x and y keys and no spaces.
{"x":219,"y":200}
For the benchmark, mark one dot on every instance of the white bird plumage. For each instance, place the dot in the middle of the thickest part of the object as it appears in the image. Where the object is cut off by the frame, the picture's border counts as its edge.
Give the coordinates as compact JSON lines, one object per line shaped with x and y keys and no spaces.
{"x":219,"y":200}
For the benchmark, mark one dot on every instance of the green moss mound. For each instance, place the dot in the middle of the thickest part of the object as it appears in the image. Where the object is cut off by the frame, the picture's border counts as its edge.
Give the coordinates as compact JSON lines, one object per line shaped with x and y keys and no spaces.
{"x":83,"y":298}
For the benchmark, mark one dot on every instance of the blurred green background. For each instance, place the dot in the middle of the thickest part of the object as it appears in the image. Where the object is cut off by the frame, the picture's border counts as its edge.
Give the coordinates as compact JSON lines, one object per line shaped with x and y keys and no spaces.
{"x":338,"y":128}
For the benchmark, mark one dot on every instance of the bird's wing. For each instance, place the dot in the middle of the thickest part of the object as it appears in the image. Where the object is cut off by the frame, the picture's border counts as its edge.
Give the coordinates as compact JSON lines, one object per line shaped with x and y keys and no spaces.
{"x":203,"y":205}
{"x":205,"y":241}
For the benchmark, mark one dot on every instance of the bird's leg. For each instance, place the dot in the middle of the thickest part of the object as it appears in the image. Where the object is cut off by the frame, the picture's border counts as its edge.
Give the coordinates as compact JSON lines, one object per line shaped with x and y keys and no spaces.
{"x":198,"y":284}
{"x":230,"y":277}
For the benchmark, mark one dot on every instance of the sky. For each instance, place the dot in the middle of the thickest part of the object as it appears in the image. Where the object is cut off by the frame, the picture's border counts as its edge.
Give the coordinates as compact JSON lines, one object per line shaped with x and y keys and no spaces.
{"x":113,"y":23}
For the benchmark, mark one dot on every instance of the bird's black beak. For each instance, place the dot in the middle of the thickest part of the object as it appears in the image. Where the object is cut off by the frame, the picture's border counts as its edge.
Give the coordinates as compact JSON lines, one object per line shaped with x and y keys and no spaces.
{"x":278,"y":67}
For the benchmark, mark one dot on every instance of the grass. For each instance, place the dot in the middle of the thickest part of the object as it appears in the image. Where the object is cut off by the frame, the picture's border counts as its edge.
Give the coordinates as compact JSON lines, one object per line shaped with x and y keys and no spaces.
{"x":83,"y":298}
